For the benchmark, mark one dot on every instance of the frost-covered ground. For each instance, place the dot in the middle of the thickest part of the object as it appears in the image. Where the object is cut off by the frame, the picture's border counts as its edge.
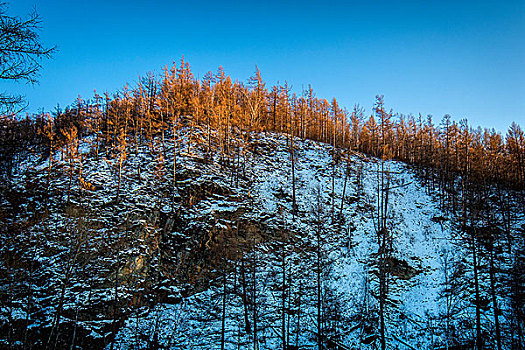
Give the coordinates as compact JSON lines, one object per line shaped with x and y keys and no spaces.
{"x":220,"y":254}
{"x":348,"y":277}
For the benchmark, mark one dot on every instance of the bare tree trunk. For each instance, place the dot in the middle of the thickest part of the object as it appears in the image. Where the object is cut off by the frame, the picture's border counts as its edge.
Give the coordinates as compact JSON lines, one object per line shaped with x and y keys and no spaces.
{"x":347,"y":174}
{"x":247,"y":326}
{"x":175,"y":141}
{"x":70,"y":161}
{"x":223,"y":318}
{"x":283,"y":301}
{"x":50,"y":164}
{"x":292,"y":153}
{"x":318,"y":290}
{"x":479,"y":345}
{"x":254,"y":304}
{"x":79,"y":172}
{"x":298,"y":324}
{"x":494,"y":300}
{"x":382,"y":295}
{"x":116,"y":297}
{"x":119,"y":177}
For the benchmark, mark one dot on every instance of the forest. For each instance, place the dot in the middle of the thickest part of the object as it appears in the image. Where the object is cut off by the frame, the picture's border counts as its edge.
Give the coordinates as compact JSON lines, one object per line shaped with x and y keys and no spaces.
{"x":56,"y":247}
{"x":159,"y":106}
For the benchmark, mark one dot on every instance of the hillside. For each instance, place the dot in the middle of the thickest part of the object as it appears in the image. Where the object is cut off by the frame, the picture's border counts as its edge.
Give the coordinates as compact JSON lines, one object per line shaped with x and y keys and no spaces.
{"x":216,"y":255}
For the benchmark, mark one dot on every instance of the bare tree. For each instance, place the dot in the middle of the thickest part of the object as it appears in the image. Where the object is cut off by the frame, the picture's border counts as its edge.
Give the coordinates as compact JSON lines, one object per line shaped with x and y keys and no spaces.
{"x":22,"y":55}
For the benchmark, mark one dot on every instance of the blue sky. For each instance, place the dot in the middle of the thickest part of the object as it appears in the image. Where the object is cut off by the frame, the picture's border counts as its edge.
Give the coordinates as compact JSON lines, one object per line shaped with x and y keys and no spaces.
{"x":465,"y":58}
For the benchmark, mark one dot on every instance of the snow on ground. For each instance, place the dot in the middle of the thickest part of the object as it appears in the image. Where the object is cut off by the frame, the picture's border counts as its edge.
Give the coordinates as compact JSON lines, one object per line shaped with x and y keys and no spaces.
{"x":418,"y":240}
{"x":423,"y":243}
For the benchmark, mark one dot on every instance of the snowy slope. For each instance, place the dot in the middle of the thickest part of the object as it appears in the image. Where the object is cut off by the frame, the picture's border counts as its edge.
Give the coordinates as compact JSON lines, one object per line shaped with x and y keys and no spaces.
{"x":185,"y":265}
{"x":419,"y":241}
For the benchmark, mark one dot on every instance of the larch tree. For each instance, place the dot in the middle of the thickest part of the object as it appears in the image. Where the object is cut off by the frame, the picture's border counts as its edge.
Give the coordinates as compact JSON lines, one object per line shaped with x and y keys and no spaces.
{"x":256,"y":99}
{"x":516,"y":149}
{"x":22,"y":54}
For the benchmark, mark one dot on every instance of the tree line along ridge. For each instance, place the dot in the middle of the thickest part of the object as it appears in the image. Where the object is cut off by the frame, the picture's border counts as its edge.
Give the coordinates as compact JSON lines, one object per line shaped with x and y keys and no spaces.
{"x":160,"y":105}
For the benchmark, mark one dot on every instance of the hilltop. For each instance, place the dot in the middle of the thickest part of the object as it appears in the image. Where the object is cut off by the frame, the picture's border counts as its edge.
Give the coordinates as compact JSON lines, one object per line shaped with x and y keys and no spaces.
{"x":198,"y":213}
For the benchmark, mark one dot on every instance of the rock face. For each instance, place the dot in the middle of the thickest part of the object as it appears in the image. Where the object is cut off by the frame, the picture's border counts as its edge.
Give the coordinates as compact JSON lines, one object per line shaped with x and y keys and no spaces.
{"x":400,"y":268}
{"x":214,"y":253}
{"x":83,"y":264}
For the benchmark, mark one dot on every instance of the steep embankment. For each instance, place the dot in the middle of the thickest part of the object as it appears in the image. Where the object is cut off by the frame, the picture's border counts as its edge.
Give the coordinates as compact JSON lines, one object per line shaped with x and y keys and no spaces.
{"x":220,"y":256}
{"x":347,"y":249}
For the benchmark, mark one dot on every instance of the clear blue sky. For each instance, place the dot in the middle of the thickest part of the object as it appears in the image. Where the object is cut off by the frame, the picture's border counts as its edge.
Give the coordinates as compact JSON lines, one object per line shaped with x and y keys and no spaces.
{"x":465,"y":58}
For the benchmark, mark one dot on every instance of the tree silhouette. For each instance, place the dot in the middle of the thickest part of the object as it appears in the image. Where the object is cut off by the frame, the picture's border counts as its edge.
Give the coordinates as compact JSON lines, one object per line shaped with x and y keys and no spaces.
{"x":22,"y":54}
